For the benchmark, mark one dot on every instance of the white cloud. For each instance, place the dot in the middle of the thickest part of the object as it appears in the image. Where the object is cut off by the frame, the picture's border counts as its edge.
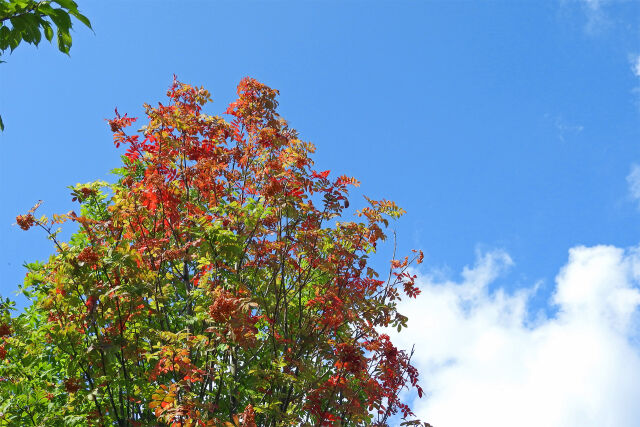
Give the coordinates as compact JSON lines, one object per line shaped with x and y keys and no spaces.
{"x":596,"y":18}
{"x":597,"y":14}
{"x":593,"y":5}
{"x":484,"y":362}
{"x":635,"y":65}
{"x":563,"y":127}
{"x":633,"y":180}
{"x":635,"y":69}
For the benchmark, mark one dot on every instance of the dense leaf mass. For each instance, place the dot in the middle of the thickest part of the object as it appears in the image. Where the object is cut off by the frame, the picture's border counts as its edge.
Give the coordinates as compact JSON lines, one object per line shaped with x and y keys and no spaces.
{"x":216,"y":283}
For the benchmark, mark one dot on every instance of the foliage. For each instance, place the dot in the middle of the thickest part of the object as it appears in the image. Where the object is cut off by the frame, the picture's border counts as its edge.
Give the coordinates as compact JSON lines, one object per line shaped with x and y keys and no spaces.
{"x":208,"y":286}
{"x":28,"y":20}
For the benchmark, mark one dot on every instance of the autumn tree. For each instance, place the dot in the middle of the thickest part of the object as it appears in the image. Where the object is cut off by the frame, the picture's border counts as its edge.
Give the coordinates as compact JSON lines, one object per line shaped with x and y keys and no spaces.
{"x":217,"y":282}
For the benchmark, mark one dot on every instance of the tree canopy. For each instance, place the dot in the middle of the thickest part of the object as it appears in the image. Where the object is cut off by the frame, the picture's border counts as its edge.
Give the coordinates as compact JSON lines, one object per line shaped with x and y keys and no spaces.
{"x":215,"y":283}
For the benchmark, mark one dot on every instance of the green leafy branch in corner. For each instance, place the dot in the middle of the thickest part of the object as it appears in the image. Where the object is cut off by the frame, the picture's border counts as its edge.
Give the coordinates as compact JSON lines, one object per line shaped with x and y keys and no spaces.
{"x":28,"y":20}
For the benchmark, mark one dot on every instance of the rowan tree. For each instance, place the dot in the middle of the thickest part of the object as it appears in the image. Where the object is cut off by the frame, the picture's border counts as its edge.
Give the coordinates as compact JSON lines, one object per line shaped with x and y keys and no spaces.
{"x":217,"y":282}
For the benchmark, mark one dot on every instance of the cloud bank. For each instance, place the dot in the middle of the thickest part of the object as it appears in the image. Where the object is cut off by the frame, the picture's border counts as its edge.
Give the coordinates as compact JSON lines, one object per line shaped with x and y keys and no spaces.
{"x":488,"y":358}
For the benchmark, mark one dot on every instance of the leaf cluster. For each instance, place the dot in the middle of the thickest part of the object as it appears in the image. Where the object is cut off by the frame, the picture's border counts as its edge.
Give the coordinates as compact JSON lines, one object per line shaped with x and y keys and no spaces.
{"x":29,"y":20}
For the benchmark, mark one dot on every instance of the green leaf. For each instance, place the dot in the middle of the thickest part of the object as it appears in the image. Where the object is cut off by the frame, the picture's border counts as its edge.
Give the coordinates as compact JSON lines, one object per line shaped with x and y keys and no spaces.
{"x":48,"y":31}
{"x":1,"y":124}
{"x":45,"y":9}
{"x":34,"y":31}
{"x":20,"y":4}
{"x":4,"y":37}
{"x":14,"y":39}
{"x":61,"y":19}
{"x":80,"y":17}
{"x":17,"y":22}
{"x":67,"y":4}
{"x":64,"y":41}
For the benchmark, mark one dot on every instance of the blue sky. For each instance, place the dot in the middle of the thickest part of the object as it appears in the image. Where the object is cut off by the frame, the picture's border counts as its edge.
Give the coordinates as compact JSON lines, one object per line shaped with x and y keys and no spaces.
{"x":509,"y":131}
